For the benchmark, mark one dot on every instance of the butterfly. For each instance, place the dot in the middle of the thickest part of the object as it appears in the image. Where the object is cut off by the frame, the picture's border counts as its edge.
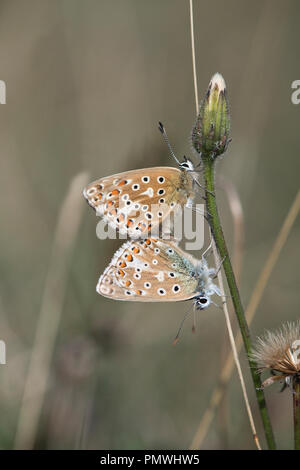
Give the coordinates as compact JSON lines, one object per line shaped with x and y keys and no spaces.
{"x":156,"y":270}
{"x":139,"y":201}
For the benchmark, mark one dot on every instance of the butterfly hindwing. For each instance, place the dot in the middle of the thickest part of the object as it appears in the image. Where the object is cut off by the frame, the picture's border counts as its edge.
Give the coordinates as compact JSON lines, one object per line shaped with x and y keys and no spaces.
{"x":150,"y":270}
{"x":137,"y":201}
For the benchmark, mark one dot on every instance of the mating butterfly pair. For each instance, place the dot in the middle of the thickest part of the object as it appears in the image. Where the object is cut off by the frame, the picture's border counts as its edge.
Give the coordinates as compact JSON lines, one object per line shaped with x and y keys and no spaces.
{"x":150,"y":269}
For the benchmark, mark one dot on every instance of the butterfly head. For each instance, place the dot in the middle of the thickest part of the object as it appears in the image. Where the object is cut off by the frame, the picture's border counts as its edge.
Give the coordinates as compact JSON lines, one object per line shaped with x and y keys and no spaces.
{"x":202,"y":301}
{"x":186,"y":165}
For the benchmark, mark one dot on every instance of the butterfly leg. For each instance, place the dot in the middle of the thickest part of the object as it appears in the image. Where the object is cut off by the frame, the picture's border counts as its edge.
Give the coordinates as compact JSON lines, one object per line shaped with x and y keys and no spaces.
{"x":199,"y":185}
{"x":216,"y":305}
{"x":207,"y":249}
{"x":219,"y":267}
{"x":203,"y":188}
{"x":199,"y":166}
{"x":206,"y":216}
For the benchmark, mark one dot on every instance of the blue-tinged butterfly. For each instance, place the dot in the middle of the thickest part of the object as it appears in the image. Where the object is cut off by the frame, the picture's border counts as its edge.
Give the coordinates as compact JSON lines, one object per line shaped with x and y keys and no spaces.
{"x":138,"y":201}
{"x":156,"y":270}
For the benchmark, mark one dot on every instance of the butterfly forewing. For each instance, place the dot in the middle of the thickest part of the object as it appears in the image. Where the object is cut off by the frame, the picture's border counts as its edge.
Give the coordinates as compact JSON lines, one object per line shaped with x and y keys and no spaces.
{"x":137,"y":201}
{"x":150,"y":270}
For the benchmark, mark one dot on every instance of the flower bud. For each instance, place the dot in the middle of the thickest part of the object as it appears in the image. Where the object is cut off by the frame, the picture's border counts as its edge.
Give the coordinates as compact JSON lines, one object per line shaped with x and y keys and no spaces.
{"x":210,"y":136}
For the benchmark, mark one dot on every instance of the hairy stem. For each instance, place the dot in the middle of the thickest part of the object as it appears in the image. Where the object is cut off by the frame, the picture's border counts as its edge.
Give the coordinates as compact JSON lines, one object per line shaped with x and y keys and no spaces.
{"x":296,"y":407}
{"x":218,"y":235}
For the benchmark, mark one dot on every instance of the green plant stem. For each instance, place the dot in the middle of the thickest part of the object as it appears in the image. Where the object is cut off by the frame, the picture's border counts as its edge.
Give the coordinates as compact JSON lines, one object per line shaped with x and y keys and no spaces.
{"x":218,"y":235}
{"x":296,"y":407}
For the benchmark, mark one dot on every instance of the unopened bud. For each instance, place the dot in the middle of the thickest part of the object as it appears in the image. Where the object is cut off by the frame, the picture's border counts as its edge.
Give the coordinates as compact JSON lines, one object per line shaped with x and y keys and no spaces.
{"x":210,"y":136}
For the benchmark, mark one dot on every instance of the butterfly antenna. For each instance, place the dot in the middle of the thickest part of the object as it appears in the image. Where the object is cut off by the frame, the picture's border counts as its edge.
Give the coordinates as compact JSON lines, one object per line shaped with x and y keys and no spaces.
{"x":194,"y":320}
{"x":181,"y":325}
{"x":166,"y":139}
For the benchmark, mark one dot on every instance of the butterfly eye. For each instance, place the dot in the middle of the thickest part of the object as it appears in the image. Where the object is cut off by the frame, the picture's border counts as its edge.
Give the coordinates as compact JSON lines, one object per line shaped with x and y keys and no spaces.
{"x":186,"y":165}
{"x":202,"y":302}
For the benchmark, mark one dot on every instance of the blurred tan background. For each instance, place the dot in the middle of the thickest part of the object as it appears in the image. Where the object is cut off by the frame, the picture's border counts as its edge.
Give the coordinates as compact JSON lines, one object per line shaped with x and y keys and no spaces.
{"x":87,"y":82}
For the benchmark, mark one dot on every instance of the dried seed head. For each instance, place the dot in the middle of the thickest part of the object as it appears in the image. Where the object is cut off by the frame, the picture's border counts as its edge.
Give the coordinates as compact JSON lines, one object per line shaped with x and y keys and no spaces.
{"x":279,"y":351}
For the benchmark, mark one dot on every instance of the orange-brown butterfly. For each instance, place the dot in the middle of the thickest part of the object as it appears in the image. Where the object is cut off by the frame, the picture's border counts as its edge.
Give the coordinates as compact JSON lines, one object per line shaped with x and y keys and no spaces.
{"x":155,"y":270}
{"x":138,"y":201}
